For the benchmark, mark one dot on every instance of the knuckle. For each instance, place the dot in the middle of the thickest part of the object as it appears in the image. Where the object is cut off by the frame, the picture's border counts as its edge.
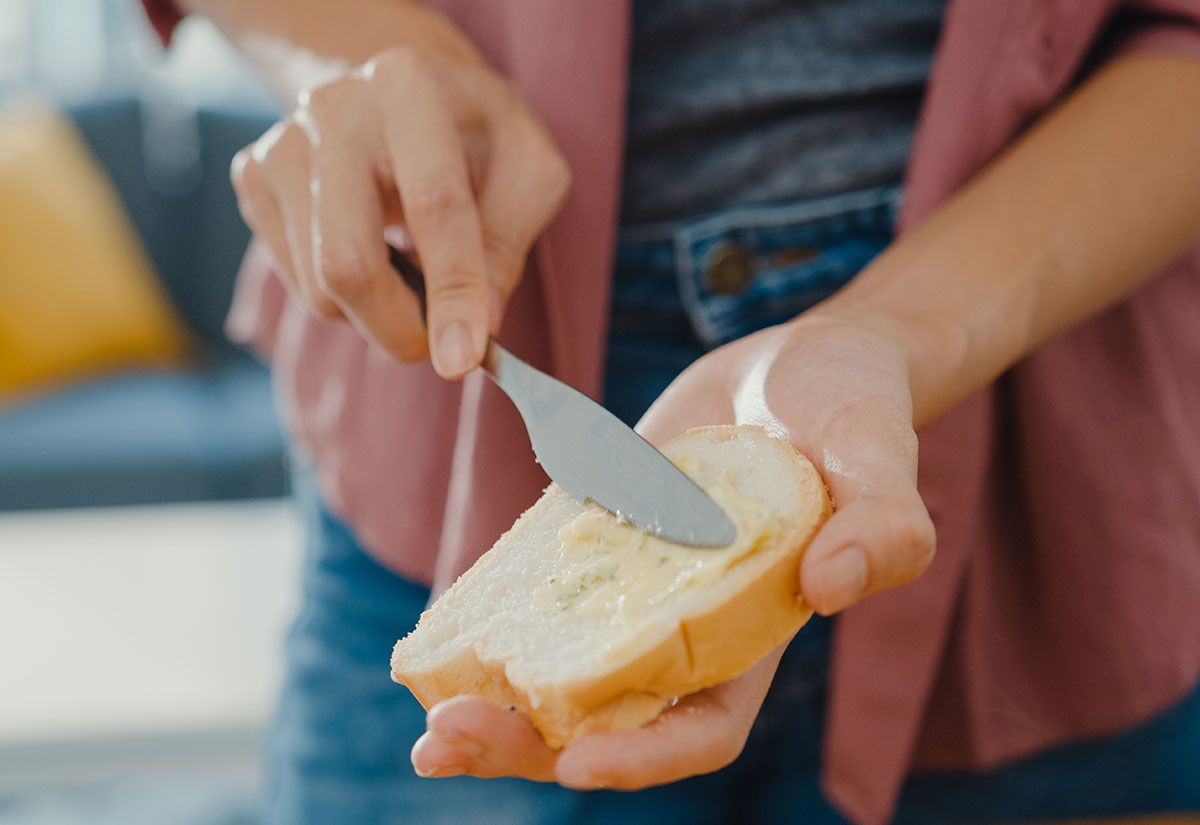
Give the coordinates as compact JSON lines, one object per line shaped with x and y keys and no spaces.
{"x":504,"y":99}
{"x":322,"y":306}
{"x":527,"y":128}
{"x":550,"y":181}
{"x":281,"y":147}
{"x":246,"y":179}
{"x":241,"y":168}
{"x":328,"y":97}
{"x":398,"y":67}
{"x":558,"y":172}
{"x":913,"y":532}
{"x":459,"y":284}
{"x":343,"y":278}
{"x":506,"y":254}
{"x":330,"y":109}
{"x":437,"y":200}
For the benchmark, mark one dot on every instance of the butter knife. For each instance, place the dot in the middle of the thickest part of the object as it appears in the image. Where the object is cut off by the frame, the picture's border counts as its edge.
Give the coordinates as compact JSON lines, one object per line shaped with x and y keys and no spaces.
{"x":592,"y":454}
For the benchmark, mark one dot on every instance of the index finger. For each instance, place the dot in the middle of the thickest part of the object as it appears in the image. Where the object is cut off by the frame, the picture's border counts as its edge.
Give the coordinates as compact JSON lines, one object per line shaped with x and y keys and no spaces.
{"x":478,"y":738}
{"x":703,"y":733}
{"x":430,"y":172}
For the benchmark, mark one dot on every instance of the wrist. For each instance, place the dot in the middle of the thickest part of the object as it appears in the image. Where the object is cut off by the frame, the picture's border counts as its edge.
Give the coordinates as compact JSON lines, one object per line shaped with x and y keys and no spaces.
{"x":934,"y":348}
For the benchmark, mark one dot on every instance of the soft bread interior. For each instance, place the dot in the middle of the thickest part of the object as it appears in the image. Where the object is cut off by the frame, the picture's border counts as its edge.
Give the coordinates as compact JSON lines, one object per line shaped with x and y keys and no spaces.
{"x":585,"y":623}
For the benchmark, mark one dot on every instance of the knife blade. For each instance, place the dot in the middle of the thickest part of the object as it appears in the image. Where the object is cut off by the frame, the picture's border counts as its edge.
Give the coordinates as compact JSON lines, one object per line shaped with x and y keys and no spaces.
{"x":592,"y":455}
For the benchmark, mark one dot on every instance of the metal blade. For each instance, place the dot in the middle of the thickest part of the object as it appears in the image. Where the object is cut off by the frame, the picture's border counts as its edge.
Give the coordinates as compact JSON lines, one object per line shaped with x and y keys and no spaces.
{"x":591,"y":454}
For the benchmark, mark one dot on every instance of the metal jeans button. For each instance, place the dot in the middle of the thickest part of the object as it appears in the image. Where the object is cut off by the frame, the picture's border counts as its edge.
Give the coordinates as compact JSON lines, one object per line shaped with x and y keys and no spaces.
{"x":730,"y":268}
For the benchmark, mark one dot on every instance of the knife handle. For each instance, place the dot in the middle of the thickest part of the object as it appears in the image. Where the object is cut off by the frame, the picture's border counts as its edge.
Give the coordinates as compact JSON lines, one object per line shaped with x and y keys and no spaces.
{"x":411,"y":274}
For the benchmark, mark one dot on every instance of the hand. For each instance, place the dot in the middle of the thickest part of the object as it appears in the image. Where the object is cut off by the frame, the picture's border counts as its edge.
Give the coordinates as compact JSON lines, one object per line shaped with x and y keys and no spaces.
{"x":435,"y":143}
{"x":839,"y":391}
{"x":701,"y":734}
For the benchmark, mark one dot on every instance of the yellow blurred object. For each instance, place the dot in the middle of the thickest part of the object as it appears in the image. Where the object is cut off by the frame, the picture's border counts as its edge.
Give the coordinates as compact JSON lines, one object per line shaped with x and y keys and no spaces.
{"x":78,"y":294}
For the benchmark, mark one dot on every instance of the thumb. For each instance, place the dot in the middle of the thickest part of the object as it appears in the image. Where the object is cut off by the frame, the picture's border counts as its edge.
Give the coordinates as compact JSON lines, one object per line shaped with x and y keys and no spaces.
{"x":880,"y":535}
{"x":690,"y":401}
{"x":879,"y":539}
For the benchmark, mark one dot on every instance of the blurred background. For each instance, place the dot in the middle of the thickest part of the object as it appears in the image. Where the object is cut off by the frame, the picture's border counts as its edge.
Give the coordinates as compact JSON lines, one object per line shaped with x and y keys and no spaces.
{"x":148,"y":556}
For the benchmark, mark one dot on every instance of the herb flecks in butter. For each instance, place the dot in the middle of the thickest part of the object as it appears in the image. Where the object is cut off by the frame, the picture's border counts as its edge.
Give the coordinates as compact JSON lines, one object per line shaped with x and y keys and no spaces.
{"x":612,"y":569}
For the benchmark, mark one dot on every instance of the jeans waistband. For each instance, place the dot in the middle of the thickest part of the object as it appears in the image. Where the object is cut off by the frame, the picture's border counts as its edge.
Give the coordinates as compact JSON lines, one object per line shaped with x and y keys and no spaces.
{"x":742,"y":269}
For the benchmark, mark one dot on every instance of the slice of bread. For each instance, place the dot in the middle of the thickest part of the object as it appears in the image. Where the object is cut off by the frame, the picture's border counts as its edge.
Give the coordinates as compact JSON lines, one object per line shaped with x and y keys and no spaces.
{"x":584,"y":623}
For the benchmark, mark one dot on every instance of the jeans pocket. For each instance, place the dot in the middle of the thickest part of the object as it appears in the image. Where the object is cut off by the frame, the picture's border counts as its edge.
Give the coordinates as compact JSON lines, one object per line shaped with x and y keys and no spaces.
{"x":749,"y":269}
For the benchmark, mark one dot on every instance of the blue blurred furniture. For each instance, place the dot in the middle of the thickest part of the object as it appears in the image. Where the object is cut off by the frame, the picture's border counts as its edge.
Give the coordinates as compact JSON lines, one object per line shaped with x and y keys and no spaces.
{"x":149,"y":437}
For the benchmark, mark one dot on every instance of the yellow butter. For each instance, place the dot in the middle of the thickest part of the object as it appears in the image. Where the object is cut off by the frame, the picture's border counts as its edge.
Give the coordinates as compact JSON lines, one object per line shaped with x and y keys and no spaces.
{"x":611,"y":569}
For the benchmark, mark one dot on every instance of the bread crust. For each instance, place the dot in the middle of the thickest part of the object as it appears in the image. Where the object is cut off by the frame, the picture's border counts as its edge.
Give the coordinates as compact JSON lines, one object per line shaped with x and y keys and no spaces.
{"x":707,"y":648}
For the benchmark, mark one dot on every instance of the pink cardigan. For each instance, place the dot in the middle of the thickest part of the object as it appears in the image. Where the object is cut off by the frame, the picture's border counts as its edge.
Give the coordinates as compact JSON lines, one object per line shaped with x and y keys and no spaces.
{"x":1064,"y":602}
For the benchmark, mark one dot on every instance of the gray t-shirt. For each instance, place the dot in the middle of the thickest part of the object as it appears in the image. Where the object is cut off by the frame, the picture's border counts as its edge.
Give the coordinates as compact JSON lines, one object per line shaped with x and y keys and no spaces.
{"x":736,"y":102}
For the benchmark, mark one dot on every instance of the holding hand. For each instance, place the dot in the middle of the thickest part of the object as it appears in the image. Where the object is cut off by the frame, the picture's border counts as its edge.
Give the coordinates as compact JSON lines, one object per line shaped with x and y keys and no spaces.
{"x":838,"y":391}
{"x":438,"y":144}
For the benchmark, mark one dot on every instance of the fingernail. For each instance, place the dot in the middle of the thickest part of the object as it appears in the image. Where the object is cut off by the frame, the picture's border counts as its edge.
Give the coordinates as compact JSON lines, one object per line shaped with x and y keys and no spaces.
{"x":584,"y":781}
{"x":842,"y":578}
{"x":441,"y":771}
{"x":454,"y":352}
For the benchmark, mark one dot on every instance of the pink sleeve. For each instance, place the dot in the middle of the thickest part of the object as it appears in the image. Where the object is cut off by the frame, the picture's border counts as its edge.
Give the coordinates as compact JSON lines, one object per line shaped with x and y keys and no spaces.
{"x":164,"y":16}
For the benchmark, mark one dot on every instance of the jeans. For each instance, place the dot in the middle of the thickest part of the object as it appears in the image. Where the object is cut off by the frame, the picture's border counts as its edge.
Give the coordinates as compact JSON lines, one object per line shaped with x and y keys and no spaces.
{"x":338,"y":754}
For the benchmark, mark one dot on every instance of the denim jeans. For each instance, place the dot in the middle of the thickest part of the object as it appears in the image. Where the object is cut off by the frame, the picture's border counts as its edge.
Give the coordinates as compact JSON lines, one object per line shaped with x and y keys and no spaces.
{"x":339,"y":750}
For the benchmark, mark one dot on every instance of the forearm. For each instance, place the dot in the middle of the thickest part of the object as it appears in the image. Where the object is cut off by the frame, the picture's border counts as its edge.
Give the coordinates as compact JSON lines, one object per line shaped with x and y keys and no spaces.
{"x":296,"y":44}
{"x":1090,"y":203}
